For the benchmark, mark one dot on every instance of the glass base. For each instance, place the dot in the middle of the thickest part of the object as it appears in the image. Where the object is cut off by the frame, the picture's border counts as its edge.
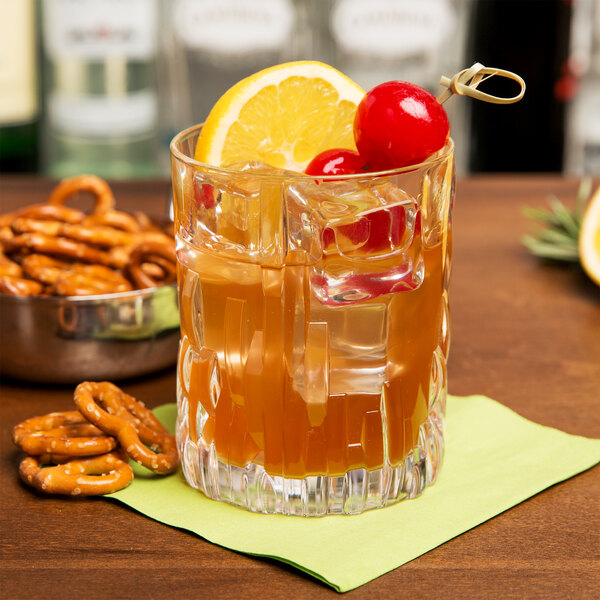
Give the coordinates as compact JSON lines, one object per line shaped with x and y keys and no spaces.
{"x":358,"y":490}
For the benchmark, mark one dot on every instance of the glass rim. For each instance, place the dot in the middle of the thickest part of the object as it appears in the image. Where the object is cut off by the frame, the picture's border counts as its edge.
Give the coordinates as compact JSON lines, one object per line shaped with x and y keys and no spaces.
{"x":176,"y":152}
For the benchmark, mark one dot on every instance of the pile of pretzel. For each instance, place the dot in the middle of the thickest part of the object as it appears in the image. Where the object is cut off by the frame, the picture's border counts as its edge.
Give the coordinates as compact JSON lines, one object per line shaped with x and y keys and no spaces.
{"x":52,"y":249}
{"x":85,"y":452}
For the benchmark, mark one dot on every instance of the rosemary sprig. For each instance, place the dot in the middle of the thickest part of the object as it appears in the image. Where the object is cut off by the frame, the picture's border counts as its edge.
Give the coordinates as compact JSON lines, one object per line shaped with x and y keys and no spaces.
{"x":559,"y":239}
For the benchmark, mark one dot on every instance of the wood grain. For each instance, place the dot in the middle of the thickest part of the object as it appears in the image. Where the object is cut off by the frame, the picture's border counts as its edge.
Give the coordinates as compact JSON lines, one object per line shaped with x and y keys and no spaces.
{"x":523,"y":332}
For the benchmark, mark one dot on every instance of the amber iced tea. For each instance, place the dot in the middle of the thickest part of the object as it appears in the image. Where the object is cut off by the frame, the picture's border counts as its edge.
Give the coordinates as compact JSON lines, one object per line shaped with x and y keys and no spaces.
{"x":314,"y":333}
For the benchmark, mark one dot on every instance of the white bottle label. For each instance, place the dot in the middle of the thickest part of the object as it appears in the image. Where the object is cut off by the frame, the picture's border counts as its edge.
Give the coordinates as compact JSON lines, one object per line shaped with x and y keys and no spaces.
{"x":102,"y":116}
{"x":97,"y":29}
{"x":18,"y":89}
{"x":391,"y":28}
{"x":230,"y":27}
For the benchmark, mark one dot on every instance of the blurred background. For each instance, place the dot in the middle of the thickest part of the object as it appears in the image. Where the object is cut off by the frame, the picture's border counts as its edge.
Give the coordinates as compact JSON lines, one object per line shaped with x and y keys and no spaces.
{"x":101,"y":86}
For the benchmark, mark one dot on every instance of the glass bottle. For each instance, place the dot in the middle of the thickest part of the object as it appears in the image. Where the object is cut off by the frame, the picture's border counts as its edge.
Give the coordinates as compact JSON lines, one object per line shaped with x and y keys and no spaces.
{"x":223,"y":42}
{"x":100,"y":87}
{"x":583,"y":123}
{"x":19,"y":102}
{"x":383,"y":40}
{"x":532,"y":39}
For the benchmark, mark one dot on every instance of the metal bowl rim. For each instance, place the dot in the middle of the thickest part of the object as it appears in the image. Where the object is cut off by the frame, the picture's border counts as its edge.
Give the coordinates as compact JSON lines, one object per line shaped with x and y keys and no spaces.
{"x":83,"y":299}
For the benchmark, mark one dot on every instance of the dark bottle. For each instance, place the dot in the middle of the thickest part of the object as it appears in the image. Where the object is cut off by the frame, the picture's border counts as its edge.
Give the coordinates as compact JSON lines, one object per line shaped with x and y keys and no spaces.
{"x":530,"y":38}
{"x":19,"y":103}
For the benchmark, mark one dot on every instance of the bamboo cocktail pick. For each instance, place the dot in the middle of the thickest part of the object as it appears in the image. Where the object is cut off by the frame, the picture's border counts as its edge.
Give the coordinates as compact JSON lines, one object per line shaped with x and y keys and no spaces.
{"x":465,"y":83}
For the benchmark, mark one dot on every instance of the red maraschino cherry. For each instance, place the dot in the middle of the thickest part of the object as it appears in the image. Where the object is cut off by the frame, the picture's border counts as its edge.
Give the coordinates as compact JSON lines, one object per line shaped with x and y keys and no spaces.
{"x":397,"y":124}
{"x":336,"y":161}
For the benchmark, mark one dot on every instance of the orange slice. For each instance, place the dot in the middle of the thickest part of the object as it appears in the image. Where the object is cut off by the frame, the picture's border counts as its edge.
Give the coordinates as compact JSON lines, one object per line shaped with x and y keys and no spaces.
{"x":589,"y":238}
{"x":282,"y":116}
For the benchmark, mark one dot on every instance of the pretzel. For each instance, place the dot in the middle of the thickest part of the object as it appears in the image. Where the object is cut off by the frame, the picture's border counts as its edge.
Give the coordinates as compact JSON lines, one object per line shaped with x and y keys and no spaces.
{"x":155,"y":271}
{"x":8,"y":267}
{"x":89,"y":280}
{"x":47,"y":242}
{"x":53,"y":212}
{"x":62,"y":433}
{"x":97,"y":236}
{"x":55,"y":246}
{"x":89,"y":476}
{"x":18,"y":286}
{"x":74,"y":279}
{"x":44,"y":212}
{"x":144,"y":221}
{"x":6,"y":233}
{"x":84,"y":183}
{"x":144,"y":253}
{"x":42,"y":268}
{"x":139,"y":432}
{"x":153,"y":236}
{"x":104,"y":274}
{"x":6,"y":219}
{"x":116,"y":219}
{"x":118,"y":257}
{"x":22,"y":224}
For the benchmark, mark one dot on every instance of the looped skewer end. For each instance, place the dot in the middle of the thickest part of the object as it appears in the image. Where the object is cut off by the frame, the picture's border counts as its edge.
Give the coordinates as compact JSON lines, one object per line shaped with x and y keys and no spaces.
{"x":465,"y":83}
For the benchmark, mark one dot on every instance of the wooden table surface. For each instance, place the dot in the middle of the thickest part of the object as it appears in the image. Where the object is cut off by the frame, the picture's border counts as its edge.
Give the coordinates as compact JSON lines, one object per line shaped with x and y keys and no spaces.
{"x":523,"y":332}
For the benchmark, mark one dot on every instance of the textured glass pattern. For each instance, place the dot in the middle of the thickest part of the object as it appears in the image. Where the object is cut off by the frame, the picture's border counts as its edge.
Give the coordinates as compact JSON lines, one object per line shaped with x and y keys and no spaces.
{"x":315,"y":334}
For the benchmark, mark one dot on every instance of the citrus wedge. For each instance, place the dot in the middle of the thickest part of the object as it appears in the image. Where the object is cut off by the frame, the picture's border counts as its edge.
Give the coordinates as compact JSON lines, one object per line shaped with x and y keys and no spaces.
{"x":589,"y":238}
{"x":282,"y":116}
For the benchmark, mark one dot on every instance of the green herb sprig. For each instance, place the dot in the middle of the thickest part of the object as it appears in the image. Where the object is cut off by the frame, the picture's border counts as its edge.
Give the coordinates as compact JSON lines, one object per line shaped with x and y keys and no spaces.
{"x":559,"y":239}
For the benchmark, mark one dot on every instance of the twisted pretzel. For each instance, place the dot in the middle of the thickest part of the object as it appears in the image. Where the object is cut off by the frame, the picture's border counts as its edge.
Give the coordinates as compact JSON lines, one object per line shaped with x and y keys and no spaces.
{"x":46,"y":243}
{"x":154,"y":236}
{"x":44,"y":212}
{"x":45,"y":269}
{"x":144,"y":221}
{"x":56,"y":246}
{"x":18,"y":286}
{"x":6,"y":219}
{"x":8,"y":267}
{"x":74,"y":279}
{"x":90,"y":476}
{"x":146,"y":253}
{"x":62,"y":433}
{"x":6,"y":233}
{"x":98,"y":236}
{"x":84,"y":183}
{"x":159,"y":269}
{"x":115,"y":219}
{"x":88,"y":280}
{"x":139,"y":432}
{"x":120,"y":256}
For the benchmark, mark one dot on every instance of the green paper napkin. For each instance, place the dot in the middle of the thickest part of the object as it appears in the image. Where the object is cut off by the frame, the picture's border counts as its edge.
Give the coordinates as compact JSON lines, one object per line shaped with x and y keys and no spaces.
{"x":494,"y":459}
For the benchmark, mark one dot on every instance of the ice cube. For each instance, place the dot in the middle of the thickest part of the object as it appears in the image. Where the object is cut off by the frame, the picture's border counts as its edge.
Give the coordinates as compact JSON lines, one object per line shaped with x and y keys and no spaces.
{"x":331,"y":200}
{"x":237,"y":212}
{"x":377,"y":252}
{"x":304,"y":231}
{"x":384,"y":229}
{"x":357,"y":345}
